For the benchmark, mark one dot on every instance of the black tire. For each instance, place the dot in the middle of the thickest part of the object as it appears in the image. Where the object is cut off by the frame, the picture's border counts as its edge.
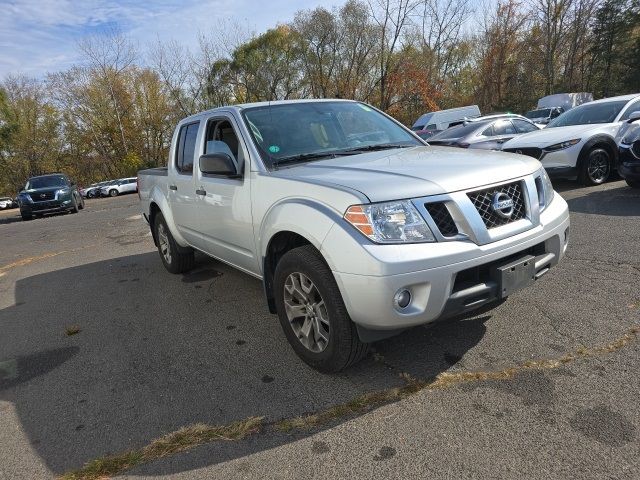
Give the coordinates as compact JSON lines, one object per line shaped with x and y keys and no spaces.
{"x":179,"y":259}
{"x":81,"y":204}
{"x":26,"y":217}
{"x":633,"y":183}
{"x":343,"y":347}
{"x":113,"y":192}
{"x":591,"y":171}
{"x":75,"y":208}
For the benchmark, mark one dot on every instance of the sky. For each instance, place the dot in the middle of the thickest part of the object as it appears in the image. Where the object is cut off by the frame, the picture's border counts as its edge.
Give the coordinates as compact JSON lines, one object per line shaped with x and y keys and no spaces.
{"x":39,"y":36}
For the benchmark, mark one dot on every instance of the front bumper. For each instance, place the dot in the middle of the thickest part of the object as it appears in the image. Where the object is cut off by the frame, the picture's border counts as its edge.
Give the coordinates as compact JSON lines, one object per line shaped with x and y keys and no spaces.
{"x":50,"y":206}
{"x":629,"y":165}
{"x":444,"y":279}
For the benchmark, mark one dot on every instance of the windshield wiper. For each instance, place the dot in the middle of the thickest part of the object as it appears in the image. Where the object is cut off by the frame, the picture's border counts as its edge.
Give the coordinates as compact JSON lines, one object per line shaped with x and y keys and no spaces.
{"x":374,"y":148}
{"x":304,"y":157}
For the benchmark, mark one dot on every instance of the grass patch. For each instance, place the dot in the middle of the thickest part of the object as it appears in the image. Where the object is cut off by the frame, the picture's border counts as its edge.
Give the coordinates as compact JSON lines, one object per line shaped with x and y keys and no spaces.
{"x":178,"y":441}
{"x":72,"y":330}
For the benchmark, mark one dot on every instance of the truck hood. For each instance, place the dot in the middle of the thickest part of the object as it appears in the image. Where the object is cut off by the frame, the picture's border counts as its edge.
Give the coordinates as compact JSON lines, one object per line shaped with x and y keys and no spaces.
{"x":413,"y":172}
{"x":550,"y":136}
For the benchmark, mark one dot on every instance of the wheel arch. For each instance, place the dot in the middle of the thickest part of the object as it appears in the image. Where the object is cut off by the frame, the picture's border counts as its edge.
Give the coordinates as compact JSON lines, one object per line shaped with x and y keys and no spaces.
{"x":279,"y":232}
{"x":599,"y":141}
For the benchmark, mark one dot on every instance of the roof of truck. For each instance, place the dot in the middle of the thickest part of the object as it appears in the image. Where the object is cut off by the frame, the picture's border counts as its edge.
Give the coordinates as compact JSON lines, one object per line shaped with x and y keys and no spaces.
{"x":242,"y":106}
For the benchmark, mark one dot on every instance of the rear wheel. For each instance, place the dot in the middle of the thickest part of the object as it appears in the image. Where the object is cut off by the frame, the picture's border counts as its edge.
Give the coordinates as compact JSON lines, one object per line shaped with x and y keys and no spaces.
{"x":176,"y":259}
{"x":312,"y":313}
{"x":596,"y":167}
{"x":113,"y":192}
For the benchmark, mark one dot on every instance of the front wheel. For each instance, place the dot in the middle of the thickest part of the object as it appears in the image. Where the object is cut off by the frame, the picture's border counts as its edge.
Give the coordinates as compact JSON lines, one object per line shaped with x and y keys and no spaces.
{"x":113,"y":193}
{"x":176,"y":259}
{"x":312,"y":313}
{"x":596,"y":168}
{"x":26,"y":216}
{"x":633,"y":183}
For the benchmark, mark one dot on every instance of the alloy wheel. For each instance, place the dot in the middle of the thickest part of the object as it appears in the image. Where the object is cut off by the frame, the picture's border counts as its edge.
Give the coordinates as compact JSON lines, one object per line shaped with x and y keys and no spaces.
{"x":163,"y":243}
{"x":307,"y":312}
{"x":598,"y":169}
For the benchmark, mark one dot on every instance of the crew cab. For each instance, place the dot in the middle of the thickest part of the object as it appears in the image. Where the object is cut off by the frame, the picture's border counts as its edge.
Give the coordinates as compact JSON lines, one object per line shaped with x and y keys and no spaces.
{"x":357,"y":228}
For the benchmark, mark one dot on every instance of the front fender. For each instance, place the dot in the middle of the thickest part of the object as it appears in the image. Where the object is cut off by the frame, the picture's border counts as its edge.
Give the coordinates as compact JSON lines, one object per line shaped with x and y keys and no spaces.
{"x":600,"y":139}
{"x":304,"y":216}
{"x":158,"y":196}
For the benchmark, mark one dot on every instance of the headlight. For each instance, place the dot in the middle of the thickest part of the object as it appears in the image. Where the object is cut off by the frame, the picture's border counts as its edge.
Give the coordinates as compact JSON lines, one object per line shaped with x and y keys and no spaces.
{"x":390,"y":222}
{"x":63,"y":191}
{"x":562,"y":145}
{"x":630,"y":136}
{"x":545,"y":190}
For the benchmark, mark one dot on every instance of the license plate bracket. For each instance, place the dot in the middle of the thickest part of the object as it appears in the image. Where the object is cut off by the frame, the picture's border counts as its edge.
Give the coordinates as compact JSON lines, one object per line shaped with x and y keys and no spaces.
{"x":515,"y":275}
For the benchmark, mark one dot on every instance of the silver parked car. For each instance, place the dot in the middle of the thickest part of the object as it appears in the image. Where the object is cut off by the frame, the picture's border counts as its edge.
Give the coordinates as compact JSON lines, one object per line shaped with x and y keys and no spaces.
{"x":487,"y":133}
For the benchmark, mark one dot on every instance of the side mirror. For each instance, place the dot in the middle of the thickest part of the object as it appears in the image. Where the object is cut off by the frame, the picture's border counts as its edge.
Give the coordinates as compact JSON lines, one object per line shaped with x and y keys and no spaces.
{"x":634,"y":116}
{"x":217,"y":163}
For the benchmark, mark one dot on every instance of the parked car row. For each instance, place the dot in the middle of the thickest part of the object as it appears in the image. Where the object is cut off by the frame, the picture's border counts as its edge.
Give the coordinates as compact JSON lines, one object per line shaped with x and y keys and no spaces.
{"x":110,"y":188}
{"x":583,"y":141}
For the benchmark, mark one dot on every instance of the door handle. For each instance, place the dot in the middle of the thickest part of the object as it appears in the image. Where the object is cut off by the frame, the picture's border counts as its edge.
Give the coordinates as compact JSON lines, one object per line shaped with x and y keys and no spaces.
{"x":201,"y":192}
{"x":173,"y":187}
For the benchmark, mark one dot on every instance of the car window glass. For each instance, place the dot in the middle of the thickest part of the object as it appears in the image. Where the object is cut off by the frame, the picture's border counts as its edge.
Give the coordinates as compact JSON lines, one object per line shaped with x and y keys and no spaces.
{"x":634,"y":107}
{"x":524,"y":127}
{"x":488,"y":132}
{"x":431,"y":126}
{"x":222,"y":138}
{"x":503,"y":127}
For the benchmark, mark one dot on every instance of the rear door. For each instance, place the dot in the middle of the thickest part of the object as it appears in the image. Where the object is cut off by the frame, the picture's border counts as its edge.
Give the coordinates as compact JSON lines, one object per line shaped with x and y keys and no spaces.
{"x":182,"y":195}
{"x":224,"y":203}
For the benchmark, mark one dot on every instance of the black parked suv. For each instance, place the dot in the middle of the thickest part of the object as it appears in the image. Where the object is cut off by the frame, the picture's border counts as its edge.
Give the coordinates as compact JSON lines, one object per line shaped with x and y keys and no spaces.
{"x":52,"y":193}
{"x":629,"y":151}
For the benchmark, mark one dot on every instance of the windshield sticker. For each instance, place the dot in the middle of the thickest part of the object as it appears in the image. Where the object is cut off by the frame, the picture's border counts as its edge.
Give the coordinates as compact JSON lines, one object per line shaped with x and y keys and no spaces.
{"x":364,"y":107}
{"x":274,"y":149}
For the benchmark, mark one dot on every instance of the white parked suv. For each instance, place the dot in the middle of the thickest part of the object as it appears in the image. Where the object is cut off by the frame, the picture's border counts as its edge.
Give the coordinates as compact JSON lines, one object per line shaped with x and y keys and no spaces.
{"x":356,"y":227}
{"x":124,"y":185}
{"x":580,"y":142}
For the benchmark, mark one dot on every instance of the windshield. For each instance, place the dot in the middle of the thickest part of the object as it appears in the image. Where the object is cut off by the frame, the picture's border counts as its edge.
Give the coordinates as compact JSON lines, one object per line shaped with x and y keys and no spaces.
{"x":542,"y":113}
{"x":605,"y":112}
{"x":46,"y":182}
{"x":310,"y":130}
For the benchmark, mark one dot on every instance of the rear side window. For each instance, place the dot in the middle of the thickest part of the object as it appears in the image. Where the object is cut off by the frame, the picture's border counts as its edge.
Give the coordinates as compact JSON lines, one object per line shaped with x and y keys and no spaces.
{"x":503,"y":127}
{"x":524,"y":127}
{"x":186,"y":148}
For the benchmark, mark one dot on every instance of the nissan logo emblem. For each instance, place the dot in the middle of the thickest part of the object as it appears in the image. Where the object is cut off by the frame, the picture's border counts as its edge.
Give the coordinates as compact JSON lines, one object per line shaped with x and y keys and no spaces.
{"x":502,"y":204}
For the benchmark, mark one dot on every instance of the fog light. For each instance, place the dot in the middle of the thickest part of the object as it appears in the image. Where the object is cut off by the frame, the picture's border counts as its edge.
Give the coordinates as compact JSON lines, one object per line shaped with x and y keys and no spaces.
{"x":402,"y":298}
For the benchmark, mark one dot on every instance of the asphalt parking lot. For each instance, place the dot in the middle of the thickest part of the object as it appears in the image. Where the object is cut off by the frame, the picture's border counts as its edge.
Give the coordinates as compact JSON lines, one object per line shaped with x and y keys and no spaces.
{"x":102,"y":351}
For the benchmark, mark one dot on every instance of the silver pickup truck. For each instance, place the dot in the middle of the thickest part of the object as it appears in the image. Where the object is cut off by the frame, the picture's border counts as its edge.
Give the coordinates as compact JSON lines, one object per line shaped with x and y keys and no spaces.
{"x":355,"y":226}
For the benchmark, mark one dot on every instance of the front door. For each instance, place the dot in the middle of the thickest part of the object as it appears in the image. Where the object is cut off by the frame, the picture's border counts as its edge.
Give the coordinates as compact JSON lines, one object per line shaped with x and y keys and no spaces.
{"x":224,"y":203}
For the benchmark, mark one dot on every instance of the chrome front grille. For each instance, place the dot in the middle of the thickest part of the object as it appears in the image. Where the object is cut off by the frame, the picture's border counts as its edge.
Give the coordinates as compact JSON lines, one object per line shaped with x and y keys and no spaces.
{"x":42,"y":196}
{"x":483,"y":201}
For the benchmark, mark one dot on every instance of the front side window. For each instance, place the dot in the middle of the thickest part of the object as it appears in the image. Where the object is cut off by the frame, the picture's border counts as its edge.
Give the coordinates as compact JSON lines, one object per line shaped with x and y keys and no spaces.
{"x":634,"y":107}
{"x":186,"y":148}
{"x":221,"y":137}
{"x":299,"y":131}
{"x":588,"y":113}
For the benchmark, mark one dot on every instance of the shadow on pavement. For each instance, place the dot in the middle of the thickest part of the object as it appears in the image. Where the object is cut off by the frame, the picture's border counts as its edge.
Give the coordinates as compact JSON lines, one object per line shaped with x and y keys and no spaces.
{"x":622,"y":201}
{"x":157,"y":352}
